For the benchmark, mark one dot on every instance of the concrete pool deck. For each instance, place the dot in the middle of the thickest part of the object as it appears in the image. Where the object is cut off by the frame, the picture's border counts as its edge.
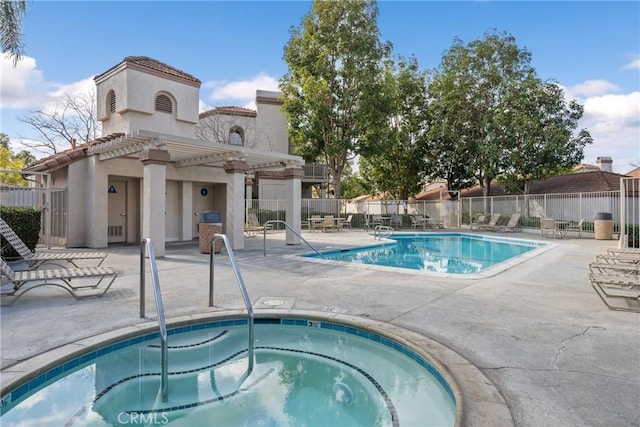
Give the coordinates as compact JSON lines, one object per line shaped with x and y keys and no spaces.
{"x":541,"y":338}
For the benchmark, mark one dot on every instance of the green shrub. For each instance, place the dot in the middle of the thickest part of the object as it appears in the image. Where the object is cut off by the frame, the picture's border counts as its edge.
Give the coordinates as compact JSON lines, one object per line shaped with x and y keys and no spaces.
{"x":26,"y":223}
{"x":633,"y":236}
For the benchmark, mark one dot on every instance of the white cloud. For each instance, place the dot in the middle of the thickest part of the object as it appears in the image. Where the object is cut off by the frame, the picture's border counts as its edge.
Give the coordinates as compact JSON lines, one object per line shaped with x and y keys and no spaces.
{"x":241,"y":91}
{"x":22,"y":86}
{"x":25,"y":87}
{"x":635,"y":64}
{"x":614,"y":123}
{"x":590,"y":88}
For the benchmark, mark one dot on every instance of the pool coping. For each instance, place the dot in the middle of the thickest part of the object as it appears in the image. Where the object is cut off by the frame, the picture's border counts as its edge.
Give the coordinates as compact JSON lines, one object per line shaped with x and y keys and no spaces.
{"x":540,"y":248}
{"x":477,"y":398}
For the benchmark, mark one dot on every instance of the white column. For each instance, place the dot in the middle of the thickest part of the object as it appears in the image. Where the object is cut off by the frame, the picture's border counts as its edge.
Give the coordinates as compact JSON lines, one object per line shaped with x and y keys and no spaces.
{"x":187,"y":211}
{"x":236,"y":170}
{"x":154,"y":189}
{"x":96,"y":207}
{"x":293,"y":177}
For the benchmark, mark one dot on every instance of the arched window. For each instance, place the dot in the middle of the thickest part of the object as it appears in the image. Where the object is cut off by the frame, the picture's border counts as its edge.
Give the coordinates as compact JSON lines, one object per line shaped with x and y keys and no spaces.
{"x":236,"y":136}
{"x":164,"y":104}
{"x":111,"y":102}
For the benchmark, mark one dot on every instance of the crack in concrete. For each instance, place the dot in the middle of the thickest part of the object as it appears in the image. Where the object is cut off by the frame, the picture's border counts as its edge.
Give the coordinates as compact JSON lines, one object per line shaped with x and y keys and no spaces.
{"x":589,"y":373}
{"x":564,"y":346}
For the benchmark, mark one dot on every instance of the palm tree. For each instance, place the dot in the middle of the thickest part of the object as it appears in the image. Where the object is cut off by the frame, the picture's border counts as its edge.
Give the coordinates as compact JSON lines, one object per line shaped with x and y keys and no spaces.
{"x":11,"y":14}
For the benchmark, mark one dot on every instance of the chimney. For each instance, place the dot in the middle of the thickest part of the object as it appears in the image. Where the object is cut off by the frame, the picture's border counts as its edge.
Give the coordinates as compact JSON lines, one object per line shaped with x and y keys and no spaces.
{"x":73,"y":143}
{"x":605,"y":164}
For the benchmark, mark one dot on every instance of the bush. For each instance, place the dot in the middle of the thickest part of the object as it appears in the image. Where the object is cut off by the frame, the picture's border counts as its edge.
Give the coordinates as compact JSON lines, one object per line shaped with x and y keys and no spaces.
{"x":26,"y":223}
{"x":633,"y":236}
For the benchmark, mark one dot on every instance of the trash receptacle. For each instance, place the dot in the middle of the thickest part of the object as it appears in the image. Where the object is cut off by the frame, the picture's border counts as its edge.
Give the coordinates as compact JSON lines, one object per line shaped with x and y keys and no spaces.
{"x":603,"y":226}
{"x":210,"y":224}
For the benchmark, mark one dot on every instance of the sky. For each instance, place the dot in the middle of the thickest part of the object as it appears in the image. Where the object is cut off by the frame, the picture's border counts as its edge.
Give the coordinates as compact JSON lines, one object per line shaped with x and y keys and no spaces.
{"x":590,"y":48}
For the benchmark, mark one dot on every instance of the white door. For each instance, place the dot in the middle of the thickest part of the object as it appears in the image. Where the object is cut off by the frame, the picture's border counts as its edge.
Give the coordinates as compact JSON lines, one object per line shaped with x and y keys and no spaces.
{"x":117,"y":221}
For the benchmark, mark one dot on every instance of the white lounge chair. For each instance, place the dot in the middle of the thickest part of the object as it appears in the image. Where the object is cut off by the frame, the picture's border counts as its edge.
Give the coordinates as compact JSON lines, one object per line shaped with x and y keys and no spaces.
{"x":512,"y":225}
{"x":491,"y":225}
{"x":35,"y":260}
{"x":60,"y":278}
{"x":479,"y":222}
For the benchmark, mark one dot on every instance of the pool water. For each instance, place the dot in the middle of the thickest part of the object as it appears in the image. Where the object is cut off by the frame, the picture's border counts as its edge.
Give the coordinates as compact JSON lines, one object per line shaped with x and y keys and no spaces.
{"x":451,"y":253}
{"x":306,"y":373}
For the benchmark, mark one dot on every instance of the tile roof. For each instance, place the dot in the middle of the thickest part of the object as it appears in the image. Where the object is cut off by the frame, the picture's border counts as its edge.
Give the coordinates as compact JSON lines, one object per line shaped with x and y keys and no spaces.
{"x":155,"y":65}
{"x":67,"y":156}
{"x":635,"y":173}
{"x":229,"y":110}
{"x":578,"y":182}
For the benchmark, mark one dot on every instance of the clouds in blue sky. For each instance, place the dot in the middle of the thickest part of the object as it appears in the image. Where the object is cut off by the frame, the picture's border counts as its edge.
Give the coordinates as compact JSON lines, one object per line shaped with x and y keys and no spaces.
{"x":591,"y":49}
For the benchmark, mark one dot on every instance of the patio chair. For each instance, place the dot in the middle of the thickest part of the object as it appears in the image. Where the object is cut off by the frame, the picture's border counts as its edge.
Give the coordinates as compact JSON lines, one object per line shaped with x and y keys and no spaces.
{"x":328,"y":222}
{"x":479,"y":222}
{"x":347,"y":222}
{"x":511,"y":226}
{"x":253,"y":227}
{"x":396,"y":221}
{"x":418,"y":221}
{"x":36,"y":260}
{"x":575,"y":227}
{"x":549,"y":225}
{"x":53,"y":277}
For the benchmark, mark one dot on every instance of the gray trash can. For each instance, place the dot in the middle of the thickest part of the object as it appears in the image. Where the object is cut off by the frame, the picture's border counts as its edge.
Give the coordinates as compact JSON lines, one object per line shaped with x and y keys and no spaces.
{"x":603,"y":226}
{"x":210,"y":224}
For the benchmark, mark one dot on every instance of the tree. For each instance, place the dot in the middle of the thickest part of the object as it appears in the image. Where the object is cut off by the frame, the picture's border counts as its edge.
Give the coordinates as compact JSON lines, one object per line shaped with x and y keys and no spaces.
{"x":26,"y":157}
{"x":8,"y":161}
{"x":335,"y":59}
{"x":11,"y":14}
{"x":73,"y":119}
{"x":398,"y":166}
{"x":541,"y":127}
{"x":452,"y":146}
{"x":353,"y":185}
{"x":480,"y":73}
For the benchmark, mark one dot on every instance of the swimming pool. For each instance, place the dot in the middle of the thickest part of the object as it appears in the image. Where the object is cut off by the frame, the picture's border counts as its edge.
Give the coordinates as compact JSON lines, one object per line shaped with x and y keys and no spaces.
{"x":307,"y":372}
{"x":450,"y":253}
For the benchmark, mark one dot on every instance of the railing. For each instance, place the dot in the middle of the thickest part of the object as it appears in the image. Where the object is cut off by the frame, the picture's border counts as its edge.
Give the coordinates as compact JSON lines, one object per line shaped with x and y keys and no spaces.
{"x":277,"y":221}
{"x":377,"y":231}
{"x":315,"y":171}
{"x":164,"y":363}
{"x":243,"y":291}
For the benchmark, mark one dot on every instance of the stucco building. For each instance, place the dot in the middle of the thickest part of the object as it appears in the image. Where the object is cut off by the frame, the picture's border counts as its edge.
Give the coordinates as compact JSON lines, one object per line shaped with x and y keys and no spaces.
{"x":161,"y":162}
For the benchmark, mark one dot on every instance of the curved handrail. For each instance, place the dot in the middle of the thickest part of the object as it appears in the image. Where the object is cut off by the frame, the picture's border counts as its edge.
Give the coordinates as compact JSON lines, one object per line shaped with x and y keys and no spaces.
{"x":279,"y":221}
{"x":146,"y":243}
{"x":380,"y":228}
{"x":243,"y":291}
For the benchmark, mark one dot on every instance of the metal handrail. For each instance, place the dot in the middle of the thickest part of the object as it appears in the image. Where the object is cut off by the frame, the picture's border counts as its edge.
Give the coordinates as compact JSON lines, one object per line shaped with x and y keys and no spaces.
{"x":278,"y":221}
{"x":243,"y":291}
{"x":380,"y":228}
{"x":164,"y":363}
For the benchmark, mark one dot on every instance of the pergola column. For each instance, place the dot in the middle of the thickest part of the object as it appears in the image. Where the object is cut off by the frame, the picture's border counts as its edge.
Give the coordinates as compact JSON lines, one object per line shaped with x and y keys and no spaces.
{"x":236,"y":170}
{"x":154,"y":197}
{"x":293,"y":177}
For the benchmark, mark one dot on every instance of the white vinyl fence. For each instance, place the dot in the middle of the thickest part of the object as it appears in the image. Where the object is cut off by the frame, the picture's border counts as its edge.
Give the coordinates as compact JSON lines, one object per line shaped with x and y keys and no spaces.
{"x":629,"y":212}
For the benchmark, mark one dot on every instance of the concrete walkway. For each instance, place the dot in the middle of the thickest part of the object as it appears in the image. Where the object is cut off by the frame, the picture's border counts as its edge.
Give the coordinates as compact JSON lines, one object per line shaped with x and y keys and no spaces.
{"x":537,"y":331}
